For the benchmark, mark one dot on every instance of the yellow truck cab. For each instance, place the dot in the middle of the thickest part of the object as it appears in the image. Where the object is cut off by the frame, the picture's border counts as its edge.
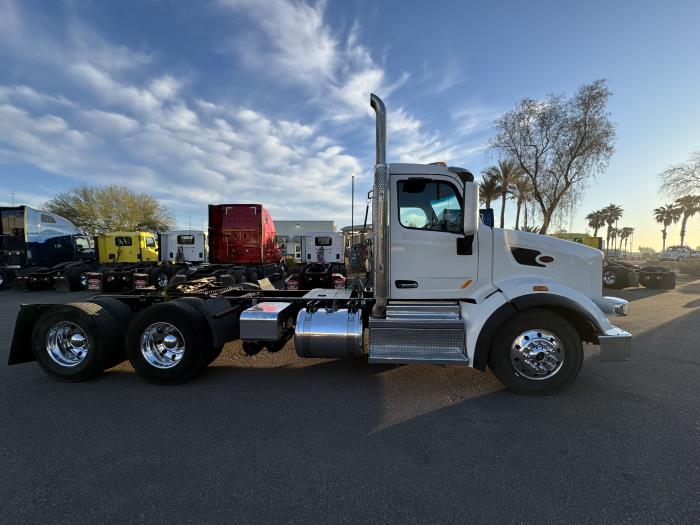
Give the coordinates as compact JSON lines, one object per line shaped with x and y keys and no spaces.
{"x":126,"y":247}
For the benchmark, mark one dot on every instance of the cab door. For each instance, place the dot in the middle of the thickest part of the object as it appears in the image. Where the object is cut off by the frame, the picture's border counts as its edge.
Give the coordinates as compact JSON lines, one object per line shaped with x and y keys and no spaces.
{"x":427,"y":261}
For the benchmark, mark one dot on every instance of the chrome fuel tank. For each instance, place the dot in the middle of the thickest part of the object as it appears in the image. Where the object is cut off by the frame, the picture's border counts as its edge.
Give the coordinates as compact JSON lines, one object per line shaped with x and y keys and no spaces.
{"x":329,"y":333}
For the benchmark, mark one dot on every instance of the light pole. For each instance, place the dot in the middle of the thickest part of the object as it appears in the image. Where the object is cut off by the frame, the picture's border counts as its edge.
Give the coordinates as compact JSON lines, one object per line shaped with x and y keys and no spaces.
{"x":352,"y":213}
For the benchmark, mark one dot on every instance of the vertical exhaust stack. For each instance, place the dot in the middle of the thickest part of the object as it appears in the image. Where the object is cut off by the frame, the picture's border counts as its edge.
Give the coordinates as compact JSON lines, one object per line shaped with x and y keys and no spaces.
{"x":380,"y":212}
{"x":380,"y":110}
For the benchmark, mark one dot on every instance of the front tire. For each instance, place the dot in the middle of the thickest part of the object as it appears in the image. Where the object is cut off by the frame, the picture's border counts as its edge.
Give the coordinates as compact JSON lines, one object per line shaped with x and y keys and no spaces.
{"x":536,"y":352}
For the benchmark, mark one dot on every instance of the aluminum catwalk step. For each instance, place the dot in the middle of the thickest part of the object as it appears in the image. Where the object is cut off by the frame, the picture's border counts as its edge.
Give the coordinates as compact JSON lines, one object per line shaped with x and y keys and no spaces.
{"x":417,"y":340}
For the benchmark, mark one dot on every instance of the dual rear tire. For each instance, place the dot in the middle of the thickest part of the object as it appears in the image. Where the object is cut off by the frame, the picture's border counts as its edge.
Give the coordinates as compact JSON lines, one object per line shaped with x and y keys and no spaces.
{"x":170,"y":342}
{"x":77,"y":341}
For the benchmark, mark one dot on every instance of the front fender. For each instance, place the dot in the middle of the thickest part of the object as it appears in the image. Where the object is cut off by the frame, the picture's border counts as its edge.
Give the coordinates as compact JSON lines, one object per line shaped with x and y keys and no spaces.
{"x":527,"y":293}
{"x":485,"y":319}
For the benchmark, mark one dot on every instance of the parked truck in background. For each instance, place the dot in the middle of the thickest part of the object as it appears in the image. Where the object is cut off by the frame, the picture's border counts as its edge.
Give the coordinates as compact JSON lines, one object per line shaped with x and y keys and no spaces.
{"x":444,"y":289}
{"x":39,"y":249}
{"x":184,"y":246}
{"x":242,"y":245}
{"x":323,"y":262}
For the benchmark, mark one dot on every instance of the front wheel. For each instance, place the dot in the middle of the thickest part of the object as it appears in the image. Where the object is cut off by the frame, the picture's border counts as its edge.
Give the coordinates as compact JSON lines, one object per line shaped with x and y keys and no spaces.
{"x":536,"y":352}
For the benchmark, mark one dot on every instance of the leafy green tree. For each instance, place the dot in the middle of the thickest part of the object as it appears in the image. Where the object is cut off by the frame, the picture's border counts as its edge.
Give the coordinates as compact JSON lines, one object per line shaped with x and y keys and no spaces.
{"x":504,"y":174}
{"x":689,"y":206}
{"x":98,"y":210}
{"x":666,"y":215}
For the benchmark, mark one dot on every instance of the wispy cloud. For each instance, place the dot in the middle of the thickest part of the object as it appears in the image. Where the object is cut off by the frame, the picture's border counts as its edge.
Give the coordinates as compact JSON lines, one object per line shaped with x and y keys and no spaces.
{"x":294,"y":43}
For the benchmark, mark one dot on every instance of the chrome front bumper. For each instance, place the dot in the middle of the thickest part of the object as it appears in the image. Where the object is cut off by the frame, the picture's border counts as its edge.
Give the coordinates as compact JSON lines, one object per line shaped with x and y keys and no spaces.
{"x":615,"y":345}
{"x":612,"y":305}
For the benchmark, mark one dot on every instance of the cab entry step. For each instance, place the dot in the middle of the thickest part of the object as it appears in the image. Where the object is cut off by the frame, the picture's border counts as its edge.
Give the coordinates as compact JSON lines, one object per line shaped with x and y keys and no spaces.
{"x":417,"y":341}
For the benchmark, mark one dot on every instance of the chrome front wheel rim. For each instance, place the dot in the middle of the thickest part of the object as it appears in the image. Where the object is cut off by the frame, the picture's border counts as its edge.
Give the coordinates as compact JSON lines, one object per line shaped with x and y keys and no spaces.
{"x":162,"y":345}
{"x":66,"y":344}
{"x":537,"y":354}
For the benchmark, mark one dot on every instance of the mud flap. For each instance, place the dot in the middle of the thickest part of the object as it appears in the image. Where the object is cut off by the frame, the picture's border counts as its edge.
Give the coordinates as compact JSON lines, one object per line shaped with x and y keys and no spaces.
{"x":21,"y":349}
{"x":62,"y":282}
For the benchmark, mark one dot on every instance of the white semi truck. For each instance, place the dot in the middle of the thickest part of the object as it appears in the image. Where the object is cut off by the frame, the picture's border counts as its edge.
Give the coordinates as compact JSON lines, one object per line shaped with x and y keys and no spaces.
{"x":444,"y":289}
{"x":183,"y":246}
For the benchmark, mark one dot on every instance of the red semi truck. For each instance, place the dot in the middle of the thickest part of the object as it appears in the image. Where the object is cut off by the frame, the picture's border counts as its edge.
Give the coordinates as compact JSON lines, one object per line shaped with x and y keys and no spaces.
{"x":242,"y":234}
{"x":242,"y":245}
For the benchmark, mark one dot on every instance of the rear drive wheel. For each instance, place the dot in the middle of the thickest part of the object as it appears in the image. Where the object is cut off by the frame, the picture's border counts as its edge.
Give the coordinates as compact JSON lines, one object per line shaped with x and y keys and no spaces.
{"x":168,"y":343}
{"x":615,"y":277}
{"x":76,"y":341}
{"x":159,"y":278}
{"x":536,"y":352}
{"x":77,"y":278}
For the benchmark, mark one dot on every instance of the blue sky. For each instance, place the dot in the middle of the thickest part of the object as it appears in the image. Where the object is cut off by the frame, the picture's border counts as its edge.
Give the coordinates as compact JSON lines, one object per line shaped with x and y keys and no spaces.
{"x":267,"y":101}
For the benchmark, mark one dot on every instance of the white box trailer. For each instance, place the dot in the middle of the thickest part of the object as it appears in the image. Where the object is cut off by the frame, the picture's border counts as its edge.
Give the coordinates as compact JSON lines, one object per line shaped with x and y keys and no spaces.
{"x":444,"y":288}
{"x":183,"y":246}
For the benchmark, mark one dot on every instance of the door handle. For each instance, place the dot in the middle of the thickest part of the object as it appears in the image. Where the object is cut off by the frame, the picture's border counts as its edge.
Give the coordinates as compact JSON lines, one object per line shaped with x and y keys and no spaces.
{"x":406,"y":284}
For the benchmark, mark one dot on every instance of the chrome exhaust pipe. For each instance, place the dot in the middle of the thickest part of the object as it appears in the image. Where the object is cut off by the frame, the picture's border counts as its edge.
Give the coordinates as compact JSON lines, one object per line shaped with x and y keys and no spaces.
{"x":380,"y":110}
{"x":380,"y":213}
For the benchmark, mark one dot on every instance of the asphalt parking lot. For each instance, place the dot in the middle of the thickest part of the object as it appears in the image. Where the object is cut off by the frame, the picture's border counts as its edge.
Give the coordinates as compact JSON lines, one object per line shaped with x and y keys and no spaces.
{"x":273,"y":438}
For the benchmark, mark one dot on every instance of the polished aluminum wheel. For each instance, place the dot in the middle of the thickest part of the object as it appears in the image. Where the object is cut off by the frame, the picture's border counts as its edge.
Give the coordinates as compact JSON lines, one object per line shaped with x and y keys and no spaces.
{"x":162,"y":280}
{"x":67,"y":344}
{"x":162,"y":345}
{"x":609,"y":277}
{"x":537,"y":354}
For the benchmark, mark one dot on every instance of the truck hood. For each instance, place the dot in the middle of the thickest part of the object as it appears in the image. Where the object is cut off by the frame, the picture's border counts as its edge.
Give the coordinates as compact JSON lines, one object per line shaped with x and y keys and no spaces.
{"x":520,"y":254}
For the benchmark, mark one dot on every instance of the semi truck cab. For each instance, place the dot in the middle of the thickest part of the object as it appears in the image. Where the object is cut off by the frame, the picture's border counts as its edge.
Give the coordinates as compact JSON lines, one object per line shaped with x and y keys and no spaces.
{"x":126,"y":247}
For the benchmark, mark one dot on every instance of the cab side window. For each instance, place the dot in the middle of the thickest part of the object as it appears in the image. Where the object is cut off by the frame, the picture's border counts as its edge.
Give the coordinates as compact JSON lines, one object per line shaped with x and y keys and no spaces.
{"x":122,"y":241}
{"x":429,"y":205}
{"x":150,"y":242}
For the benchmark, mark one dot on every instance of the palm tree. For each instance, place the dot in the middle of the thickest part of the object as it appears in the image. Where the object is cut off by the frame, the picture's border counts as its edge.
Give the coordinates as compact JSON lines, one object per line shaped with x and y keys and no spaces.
{"x":612,"y":214}
{"x":504,"y":174}
{"x":596,"y":220}
{"x":489,"y":190}
{"x":625,"y":234}
{"x":612,"y":235}
{"x":689,"y":206}
{"x":523,"y":189}
{"x":666,"y":215}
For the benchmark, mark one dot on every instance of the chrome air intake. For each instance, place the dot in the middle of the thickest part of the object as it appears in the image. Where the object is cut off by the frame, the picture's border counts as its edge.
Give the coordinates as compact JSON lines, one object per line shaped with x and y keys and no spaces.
{"x":380,"y":212}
